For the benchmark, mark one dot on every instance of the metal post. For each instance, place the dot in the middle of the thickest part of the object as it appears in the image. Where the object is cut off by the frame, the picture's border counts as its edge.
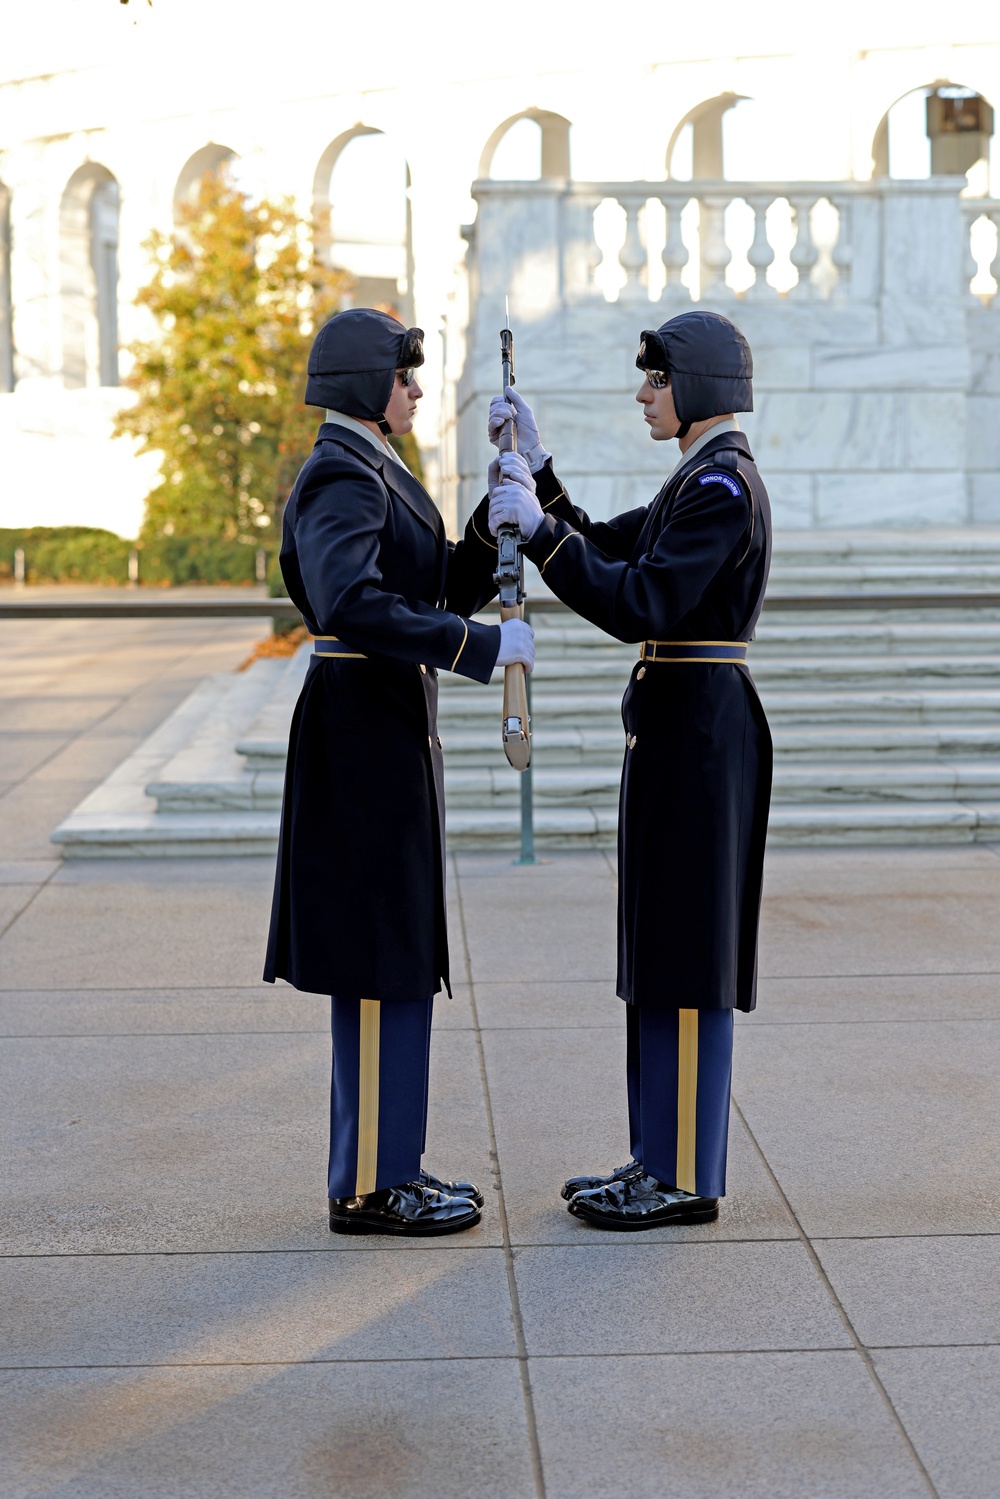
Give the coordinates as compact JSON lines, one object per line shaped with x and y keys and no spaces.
{"x":133,"y":568}
{"x":527,"y":800}
{"x":260,"y":568}
{"x":19,"y":566}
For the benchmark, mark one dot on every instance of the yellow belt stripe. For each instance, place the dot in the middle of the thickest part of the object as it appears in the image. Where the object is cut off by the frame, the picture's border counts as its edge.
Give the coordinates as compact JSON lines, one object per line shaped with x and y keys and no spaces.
{"x":687,"y":1098}
{"x":368,"y":1097}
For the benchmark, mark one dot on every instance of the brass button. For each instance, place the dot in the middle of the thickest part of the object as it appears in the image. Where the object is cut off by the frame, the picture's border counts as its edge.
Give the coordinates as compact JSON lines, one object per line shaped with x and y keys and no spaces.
{"x":423,"y":668}
{"x":440,"y":742}
{"x":430,"y":743}
{"x":633,"y":743}
{"x":640,"y":673}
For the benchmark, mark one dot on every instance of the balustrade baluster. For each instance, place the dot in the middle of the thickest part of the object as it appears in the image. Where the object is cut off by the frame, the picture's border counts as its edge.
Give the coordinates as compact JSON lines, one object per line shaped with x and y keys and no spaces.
{"x":970,"y":213}
{"x":842,"y":253}
{"x":804,"y":253}
{"x":674,"y":255}
{"x":715,"y":253}
{"x":760,"y":254}
{"x":632,"y":256}
{"x":994,"y":218}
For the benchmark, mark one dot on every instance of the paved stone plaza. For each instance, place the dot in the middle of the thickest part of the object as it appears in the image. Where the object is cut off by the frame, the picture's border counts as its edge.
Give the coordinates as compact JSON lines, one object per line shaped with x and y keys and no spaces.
{"x":177,"y":1319}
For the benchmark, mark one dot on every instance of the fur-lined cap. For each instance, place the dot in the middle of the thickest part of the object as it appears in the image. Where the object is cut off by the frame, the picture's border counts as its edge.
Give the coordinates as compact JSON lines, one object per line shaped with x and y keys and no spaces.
{"x":708,"y":360}
{"x":354,"y":359}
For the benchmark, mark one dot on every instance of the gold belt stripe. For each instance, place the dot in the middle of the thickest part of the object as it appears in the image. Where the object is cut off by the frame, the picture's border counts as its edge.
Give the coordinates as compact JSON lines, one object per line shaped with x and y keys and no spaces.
{"x":687,"y":1098}
{"x":368,"y":1062}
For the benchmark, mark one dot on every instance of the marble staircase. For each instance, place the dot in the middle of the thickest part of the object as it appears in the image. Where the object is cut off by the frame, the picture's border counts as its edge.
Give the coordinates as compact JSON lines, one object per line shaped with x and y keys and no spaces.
{"x":886,"y":722}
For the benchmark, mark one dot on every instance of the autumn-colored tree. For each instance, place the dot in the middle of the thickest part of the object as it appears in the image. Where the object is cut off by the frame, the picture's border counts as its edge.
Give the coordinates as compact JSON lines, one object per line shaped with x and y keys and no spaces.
{"x":237,"y":295}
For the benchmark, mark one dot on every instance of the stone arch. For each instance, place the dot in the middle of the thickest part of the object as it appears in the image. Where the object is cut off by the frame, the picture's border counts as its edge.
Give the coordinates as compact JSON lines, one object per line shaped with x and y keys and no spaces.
{"x":554,"y":129}
{"x":959,"y":123}
{"x":205,"y":162}
{"x":706,"y":136}
{"x":381,"y":266}
{"x":88,"y":255}
{"x":6,"y":296}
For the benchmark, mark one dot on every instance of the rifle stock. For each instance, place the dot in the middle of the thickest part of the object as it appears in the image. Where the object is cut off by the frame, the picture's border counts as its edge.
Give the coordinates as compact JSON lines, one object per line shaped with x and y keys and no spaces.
{"x":509,"y":576}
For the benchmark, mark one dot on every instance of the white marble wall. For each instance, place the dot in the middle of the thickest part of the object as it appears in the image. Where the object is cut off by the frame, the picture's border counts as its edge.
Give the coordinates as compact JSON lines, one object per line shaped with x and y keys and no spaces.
{"x":877,"y":404}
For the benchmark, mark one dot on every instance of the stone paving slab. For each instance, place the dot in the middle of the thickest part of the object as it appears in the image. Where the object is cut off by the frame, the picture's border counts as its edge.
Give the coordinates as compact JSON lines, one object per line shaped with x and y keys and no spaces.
{"x":913,"y":998}
{"x":880,"y":1128}
{"x":918,"y":1292}
{"x":95,"y":933}
{"x":268,"y":1308}
{"x":263,"y":1008}
{"x":902,"y":916}
{"x":760,"y":1426}
{"x":126,"y":1144}
{"x":707,"y":1298}
{"x":277,"y":1432}
{"x":542,"y":1004}
{"x":948,"y":1404}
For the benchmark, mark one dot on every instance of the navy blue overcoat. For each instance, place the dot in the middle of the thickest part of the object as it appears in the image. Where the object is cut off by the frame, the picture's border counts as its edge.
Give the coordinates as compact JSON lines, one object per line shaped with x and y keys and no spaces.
{"x":696,"y":778}
{"x":359,"y":904}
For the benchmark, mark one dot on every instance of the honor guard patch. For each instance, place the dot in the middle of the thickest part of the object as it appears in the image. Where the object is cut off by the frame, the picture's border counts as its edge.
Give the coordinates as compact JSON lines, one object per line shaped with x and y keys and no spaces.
{"x":725,"y":479}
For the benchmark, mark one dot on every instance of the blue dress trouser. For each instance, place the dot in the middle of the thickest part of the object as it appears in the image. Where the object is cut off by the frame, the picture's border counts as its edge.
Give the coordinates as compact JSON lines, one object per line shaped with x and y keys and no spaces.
{"x":679,"y":1071}
{"x":378,"y":1093}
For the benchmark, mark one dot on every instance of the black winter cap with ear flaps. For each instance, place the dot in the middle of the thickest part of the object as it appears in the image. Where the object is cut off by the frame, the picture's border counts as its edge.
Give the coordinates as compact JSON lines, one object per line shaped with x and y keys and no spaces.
{"x":708,"y":361}
{"x":354,"y":359}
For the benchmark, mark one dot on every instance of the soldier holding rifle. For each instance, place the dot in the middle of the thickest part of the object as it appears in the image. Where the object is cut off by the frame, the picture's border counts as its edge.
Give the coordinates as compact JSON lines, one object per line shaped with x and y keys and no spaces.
{"x":684,"y":579}
{"x":359,"y":905}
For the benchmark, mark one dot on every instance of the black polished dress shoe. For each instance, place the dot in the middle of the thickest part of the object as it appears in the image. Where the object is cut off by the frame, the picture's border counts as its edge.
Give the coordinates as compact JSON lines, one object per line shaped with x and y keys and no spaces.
{"x":641,"y":1202}
{"x":590,"y":1183}
{"x":412,"y":1209}
{"x":469,"y":1190}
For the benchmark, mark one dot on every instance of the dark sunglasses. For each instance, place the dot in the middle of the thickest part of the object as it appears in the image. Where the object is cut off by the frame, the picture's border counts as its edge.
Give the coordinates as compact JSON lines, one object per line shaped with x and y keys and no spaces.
{"x":658,"y":379}
{"x":406,"y":377}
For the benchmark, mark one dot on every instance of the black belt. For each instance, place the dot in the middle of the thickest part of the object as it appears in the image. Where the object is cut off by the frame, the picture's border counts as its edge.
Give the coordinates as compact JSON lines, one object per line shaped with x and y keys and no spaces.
{"x":715,"y":652}
{"x":329,"y":645}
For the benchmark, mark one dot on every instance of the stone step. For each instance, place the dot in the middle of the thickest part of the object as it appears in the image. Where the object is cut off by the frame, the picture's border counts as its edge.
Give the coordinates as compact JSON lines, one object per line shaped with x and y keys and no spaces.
{"x":803,"y":634}
{"x":494,"y":784}
{"x":934,"y":544}
{"x":598,"y":676}
{"x":479,"y":707}
{"x":244,"y":833}
{"x":819,"y":783}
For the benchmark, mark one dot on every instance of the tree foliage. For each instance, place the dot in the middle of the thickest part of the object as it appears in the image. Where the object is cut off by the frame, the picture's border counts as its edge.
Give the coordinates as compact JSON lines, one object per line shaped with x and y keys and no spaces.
{"x":237,"y":295}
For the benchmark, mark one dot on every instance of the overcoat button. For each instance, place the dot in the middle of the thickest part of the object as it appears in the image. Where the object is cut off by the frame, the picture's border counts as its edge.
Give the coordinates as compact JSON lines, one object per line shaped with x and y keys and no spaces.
{"x":429,"y":742}
{"x":640,"y":673}
{"x":633,"y":744}
{"x":440,"y":742}
{"x":423,"y":668}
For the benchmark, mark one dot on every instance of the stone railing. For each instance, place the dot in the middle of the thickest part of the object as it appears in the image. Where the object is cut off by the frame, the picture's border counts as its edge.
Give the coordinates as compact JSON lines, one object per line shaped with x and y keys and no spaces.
{"x":706,"y":240}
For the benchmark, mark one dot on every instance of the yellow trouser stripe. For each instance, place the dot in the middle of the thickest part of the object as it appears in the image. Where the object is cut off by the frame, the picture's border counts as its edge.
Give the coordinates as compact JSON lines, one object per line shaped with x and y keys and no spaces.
{"x":368,"y":1097}
{"x":687,"y":1097}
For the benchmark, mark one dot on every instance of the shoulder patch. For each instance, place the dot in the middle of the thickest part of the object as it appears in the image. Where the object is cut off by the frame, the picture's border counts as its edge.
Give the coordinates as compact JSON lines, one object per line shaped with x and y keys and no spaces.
{"x":725,"y":479}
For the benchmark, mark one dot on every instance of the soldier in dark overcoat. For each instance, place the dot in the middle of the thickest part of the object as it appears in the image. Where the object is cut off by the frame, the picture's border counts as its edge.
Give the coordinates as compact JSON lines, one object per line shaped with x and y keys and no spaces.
{"x":684,"y":579}
{"x":359,"y":894}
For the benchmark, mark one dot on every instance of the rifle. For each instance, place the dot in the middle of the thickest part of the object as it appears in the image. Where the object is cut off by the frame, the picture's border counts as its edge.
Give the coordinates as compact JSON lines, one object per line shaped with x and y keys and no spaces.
{"x":509,"y":578}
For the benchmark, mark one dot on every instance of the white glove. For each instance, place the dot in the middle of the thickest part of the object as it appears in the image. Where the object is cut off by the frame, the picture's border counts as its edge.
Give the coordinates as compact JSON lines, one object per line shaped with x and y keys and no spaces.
{"x":512,"y":405}
{"x":511,"y":468}
{"x":517,"y":643}
{"x":513,"y":505}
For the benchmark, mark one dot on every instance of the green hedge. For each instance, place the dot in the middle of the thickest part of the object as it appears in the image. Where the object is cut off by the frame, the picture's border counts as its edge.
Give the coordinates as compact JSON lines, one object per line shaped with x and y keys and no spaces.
{"x":83,"y":554}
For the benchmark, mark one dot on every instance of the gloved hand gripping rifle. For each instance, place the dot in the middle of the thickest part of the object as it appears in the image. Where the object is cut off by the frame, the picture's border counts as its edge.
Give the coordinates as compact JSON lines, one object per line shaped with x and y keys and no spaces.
{"x":509,"y":578}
